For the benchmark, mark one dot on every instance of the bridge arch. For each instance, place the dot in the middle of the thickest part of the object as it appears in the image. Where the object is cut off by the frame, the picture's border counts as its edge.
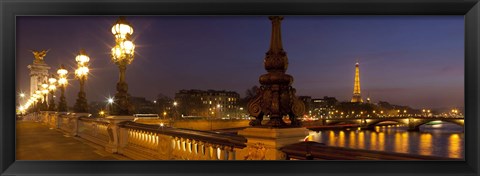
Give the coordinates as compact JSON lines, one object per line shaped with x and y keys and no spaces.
{"x":373,"y":122}
{"x":459,"y":122}
{"x":342,"y":121}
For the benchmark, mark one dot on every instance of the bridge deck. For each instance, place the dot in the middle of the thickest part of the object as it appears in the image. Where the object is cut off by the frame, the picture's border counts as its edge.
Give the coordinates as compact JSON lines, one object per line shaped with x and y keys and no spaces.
{"x":36,"y":141}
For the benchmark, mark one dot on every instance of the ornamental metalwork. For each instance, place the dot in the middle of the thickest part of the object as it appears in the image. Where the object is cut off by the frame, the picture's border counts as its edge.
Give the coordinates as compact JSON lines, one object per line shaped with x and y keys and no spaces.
{"x":276,"y":98}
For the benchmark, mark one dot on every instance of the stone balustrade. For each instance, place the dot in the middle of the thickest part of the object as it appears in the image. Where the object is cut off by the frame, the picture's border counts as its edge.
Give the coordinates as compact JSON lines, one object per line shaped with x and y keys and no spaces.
{"x":121,"y":135}
{"x":94,"y":130}
{"x":68,"y":124}
{"x":145,"y":141}
{"x":142,"y":141}
{"x":49,"y":118}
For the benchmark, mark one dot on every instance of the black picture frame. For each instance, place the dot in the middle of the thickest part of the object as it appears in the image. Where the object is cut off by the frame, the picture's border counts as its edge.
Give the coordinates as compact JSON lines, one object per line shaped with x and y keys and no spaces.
{"x":10,"y":9}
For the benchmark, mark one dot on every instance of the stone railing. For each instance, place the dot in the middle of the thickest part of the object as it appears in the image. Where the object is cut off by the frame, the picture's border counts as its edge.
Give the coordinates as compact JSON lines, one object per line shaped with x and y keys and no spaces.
{"x":94,"y":130}
{"x":68,"y":123}
{"x":142,"y":141}
{"x":119,"y":134}
{"x":198,"y":124}
{"x":49,"y":118}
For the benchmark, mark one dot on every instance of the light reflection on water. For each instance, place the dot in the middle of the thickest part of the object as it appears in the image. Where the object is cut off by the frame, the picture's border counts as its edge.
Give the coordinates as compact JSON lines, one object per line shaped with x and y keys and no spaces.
{"x":445,"y":140}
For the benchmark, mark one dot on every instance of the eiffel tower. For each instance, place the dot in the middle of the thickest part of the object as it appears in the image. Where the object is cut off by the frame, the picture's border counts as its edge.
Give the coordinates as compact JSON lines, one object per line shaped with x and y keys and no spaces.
{"x":357,"y":98}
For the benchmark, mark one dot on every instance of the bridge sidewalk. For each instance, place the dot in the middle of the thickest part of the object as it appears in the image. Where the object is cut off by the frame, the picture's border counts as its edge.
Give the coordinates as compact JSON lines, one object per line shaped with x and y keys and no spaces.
{"x":36,"y":141}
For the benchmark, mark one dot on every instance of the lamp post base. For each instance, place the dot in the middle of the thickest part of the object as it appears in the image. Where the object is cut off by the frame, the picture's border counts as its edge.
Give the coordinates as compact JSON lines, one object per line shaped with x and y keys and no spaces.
{"x":81,"y":105}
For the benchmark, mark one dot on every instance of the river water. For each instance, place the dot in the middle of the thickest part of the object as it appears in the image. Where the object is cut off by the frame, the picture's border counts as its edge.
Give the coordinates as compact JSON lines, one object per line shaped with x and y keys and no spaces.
{"x":445,"y":139}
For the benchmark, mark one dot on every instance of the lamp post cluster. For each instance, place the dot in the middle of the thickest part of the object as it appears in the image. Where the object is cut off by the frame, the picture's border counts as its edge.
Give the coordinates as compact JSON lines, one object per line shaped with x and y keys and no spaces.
{"x":81,"y":74}
{"x":44,"y":91}
{"x":38,"y":101}
{"x":122,"y":54}
{"x":62,"y":83}
{"x":52,"y":87}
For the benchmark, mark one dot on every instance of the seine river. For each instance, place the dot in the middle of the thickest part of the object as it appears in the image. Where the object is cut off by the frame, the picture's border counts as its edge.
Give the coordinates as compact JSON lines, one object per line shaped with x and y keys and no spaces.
{"x":445,"y":140}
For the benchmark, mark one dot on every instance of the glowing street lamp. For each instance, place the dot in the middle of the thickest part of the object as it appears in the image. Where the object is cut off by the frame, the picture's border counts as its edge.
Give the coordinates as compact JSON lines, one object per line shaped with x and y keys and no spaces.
{"x":122,"y":55}
{"x":21,"y":109}
{"x":101,"y":113}
{"x":110,"y":102}
{"x":22,"y":97}
{"x":219,"y":110}
{"x":175,"y":108}
{"x":81,"y":74}
{"x":454,"y":111}
{"x":43,"y":95}
{"x":62,"y":83}
{"x":52,"y":87}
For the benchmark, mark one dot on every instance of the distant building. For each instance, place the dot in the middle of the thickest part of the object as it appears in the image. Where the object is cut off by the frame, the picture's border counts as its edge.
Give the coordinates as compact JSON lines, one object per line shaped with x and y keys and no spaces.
{"x":94,"y":107}
{"x":210,"y":103}
{"x":321,"y":106}
{"x":307,"y":101}
{"x":142,"y":105}
{"x":164,"y":106}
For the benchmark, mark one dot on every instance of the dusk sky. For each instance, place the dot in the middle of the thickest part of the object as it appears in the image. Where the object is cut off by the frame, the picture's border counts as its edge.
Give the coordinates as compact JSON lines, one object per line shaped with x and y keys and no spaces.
{"x":406,"y":60}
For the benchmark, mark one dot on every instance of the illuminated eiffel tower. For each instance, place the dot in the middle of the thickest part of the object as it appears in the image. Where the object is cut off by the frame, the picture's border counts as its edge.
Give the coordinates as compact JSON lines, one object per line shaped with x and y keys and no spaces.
{"x":357,"y":98}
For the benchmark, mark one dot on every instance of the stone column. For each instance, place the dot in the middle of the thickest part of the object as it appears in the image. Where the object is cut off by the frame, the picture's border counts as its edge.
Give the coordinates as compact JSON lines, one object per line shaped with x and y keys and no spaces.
{"x":114,"y":132}
{"x":265,"y":143}
{"x":38,"y":70}
{"x":59,"y":116}
{"x":74,"y":119}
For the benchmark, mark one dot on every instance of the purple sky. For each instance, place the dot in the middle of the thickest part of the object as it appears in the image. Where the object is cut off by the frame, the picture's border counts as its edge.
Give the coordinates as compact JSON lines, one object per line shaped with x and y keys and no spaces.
{"x":407,"y":60}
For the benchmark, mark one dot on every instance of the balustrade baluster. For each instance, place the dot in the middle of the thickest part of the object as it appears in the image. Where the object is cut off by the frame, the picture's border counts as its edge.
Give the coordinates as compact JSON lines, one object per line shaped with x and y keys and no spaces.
{"x":195,"y":147}
{"x":173,"y":144}
{"x":135,"y":137}
{"x":142,"y":138}
{"x":183,"y":144}
{"x":157,"y":138}
{"x":179,"y":147}
{"x":231,"y":153}
{"x":147,"y":139}
{"x":189,"y":145}
{"x":152,"y":141}
{"x":208,"y":151}
{"x":130,"y":136}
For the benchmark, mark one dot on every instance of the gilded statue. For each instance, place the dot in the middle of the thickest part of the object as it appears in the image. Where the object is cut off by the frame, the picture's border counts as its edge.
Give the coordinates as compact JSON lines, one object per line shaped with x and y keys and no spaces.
{"x":39,"y":55}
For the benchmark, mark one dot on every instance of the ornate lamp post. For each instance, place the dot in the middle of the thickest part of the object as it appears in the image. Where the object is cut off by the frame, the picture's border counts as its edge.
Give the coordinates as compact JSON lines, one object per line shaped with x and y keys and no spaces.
{"x":38,"y":99}
{"x":62,"y":83}
{"x":81,"y":74}
{"x":22,"y":98}
{"x":44,"y":92}
{"x":122,"y":55}
{"x":276,"y":97}
{"x":52,"y":87}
